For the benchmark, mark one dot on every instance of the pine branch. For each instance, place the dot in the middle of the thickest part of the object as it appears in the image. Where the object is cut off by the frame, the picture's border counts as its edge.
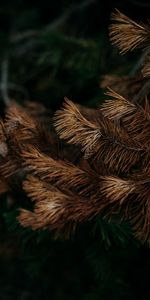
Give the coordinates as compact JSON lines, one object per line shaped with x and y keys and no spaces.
{"x":127,"y":34}
{"x":53,"y":208}
{"x":127,"y":86}
{"x":118,"y":107}
{"x":62,"y":174}
{"x":75,"y":128}
{"x":146,"y":68}
{"x":105,"y":139}
{"x":112,"y":179}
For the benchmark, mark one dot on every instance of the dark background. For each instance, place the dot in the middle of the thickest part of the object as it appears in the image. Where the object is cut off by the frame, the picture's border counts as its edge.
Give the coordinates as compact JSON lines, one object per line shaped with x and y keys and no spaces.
{"x":49,"y":50}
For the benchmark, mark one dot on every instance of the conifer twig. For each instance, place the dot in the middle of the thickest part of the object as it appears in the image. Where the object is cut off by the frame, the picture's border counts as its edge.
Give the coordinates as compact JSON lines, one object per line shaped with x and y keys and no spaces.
{"x":127,"y":34}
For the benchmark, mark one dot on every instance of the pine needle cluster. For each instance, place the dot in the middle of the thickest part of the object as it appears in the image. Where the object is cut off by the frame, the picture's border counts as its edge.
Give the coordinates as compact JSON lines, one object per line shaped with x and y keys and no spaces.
{"x":106,"y":168}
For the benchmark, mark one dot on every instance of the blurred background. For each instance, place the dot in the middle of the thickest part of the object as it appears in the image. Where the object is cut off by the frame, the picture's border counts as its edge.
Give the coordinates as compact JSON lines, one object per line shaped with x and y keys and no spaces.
{"x":48,"y":50}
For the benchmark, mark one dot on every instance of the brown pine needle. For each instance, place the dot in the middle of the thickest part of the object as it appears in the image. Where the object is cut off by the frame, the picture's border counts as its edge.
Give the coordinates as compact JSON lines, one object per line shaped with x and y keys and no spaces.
{"x":127,"y":34}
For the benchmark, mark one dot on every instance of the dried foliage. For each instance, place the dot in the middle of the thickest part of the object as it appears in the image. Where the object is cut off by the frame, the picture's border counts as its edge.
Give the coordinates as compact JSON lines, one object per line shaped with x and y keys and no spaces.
{"x":113,"y":181}
{"x":146,"y":68}
{"x":101,"y":167}
{"x":128,"y":34}
{"x":127,"y":86}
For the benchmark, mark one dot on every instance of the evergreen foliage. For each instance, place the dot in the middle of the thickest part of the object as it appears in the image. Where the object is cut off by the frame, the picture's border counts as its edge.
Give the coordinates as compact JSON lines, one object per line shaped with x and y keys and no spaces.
{"x":79,"y":173}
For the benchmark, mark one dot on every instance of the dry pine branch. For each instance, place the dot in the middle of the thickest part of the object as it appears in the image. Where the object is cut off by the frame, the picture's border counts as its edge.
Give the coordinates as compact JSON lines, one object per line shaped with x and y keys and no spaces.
{"x":103,"y":167}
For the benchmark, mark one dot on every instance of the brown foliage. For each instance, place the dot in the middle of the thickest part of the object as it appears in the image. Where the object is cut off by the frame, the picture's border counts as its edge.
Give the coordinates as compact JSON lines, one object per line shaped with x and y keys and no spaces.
{"x":128,"y":34}
{"x":103,"y":166}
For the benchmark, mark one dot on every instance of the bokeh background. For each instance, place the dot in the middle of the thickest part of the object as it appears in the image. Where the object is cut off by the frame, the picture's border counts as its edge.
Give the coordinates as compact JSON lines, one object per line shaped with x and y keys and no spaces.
{"x":48,"y":50}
